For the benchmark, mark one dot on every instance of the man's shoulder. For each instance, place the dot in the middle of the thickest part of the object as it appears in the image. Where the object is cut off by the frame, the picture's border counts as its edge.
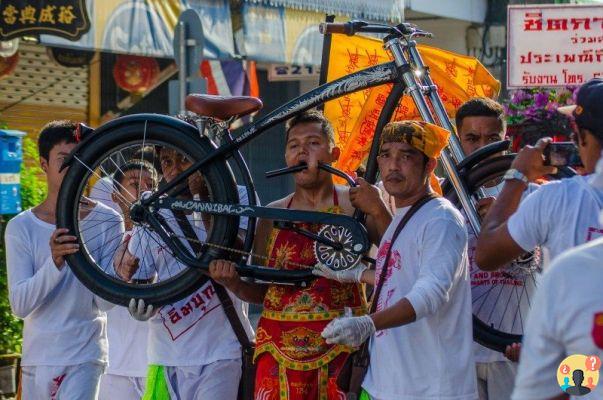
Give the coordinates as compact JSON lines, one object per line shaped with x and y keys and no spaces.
{"x":19,"y":223}
{"x":442,"y":208}
{"x":281,"y":203}
{"x":587,"y":255}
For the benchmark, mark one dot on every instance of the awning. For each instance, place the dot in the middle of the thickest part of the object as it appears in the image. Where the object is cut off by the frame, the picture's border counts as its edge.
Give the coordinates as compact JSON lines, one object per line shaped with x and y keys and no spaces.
{"x":146,"y":27}
{"x":381,"y":10}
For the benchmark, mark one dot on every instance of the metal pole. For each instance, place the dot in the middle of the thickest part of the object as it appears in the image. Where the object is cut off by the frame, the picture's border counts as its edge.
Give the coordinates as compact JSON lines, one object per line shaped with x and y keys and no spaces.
{"x":182,"y":64}
{"x":416,"y":91}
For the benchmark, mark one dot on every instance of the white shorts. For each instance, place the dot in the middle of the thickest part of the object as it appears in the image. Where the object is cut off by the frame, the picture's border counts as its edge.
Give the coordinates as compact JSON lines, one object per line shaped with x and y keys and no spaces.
{"x":118,"y":387}
{"x":216,"y":381}
{"x":72,"y":382}
{"x":495,"y":380}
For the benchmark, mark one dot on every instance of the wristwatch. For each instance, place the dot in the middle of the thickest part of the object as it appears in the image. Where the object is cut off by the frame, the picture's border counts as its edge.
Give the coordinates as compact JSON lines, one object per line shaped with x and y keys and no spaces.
{"x":514,"y":174}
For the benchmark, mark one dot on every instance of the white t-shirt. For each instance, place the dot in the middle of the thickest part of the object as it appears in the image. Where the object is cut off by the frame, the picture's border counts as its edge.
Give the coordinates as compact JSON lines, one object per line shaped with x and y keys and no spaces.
{"x":101,"y":191}
{"x":560,"y":215}
{"x":127,"y":339}
{"x":63,"y":324}
{"x":562,"y":322}
{"x":502,"y":297}
{"x":194,"y":330}
{"x":431,"y":358}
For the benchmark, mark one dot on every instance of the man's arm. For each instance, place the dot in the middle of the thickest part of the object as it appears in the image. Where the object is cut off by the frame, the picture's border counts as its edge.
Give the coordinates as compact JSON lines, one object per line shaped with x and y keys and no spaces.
{"x":495,"y":245}
{"x":367,"y":198}
{"x":28,"y":289}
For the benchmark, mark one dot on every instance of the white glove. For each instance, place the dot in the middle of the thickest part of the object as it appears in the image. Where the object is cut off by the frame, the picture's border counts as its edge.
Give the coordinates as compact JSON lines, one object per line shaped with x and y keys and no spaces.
{"x":352,"y":275}
{"x":139,"y":311}
{"x":349,"y":331}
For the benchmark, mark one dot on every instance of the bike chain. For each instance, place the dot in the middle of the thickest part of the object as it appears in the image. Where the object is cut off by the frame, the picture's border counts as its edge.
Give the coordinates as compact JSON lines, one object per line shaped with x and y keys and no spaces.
{"x":245,"y":253}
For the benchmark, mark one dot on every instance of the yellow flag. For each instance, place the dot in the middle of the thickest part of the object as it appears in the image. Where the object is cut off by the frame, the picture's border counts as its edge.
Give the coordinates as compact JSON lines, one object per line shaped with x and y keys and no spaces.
{"x":354,"y":117}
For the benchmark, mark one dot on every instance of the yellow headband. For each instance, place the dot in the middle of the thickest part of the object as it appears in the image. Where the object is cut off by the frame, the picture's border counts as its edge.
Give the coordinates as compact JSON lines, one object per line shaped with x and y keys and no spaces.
{"x":428,"y":138}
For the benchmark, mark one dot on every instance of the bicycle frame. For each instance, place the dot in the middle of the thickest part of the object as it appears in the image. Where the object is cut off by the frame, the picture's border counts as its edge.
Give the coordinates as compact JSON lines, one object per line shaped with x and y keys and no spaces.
{"x":402,"y":73}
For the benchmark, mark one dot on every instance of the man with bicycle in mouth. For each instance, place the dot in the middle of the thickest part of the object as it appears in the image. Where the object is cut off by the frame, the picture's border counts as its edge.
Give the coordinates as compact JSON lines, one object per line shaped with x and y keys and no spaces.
{"x":291,"y":356}
{"x":420,"y":323}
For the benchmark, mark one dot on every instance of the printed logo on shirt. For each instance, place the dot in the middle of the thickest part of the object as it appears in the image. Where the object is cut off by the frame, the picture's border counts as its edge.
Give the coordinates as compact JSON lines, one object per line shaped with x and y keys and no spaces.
{"x":56,"y":385}
{"x":597,"y":332}
{"x":182,"y":316}
{"x":578,"y":374}
{"x":593,"y":233}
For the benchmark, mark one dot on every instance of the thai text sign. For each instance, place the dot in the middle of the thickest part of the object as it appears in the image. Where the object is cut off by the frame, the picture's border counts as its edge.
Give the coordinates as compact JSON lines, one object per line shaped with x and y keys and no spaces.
{"x":554,"y":45}
{"x":65,"y":18}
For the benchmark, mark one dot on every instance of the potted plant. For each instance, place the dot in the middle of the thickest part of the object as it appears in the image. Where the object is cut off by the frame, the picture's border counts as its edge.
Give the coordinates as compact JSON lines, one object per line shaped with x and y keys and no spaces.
{"x":33,"y":191}
{"x":532,"y":114}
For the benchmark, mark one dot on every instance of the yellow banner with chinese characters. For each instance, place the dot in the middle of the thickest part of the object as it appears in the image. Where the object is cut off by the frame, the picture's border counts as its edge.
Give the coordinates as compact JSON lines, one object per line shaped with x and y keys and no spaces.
{"x":354,"y":117}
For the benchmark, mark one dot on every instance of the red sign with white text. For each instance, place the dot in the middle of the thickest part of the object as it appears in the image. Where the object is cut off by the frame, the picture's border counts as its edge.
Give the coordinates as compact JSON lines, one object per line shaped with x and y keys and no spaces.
{"x":554,"y":45}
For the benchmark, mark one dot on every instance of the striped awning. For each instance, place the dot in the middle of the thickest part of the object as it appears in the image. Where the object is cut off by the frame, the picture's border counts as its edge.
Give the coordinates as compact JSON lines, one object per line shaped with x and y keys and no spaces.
{"x":381,"y":10}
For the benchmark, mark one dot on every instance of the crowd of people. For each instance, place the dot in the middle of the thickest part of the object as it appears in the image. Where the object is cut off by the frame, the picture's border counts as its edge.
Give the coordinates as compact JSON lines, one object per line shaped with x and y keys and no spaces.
{"x":416,"y":333}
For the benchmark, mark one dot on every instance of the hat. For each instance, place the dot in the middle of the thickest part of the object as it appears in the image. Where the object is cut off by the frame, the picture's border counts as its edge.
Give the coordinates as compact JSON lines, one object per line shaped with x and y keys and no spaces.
{"x":428,"y":138}
{"x":588,"y":111}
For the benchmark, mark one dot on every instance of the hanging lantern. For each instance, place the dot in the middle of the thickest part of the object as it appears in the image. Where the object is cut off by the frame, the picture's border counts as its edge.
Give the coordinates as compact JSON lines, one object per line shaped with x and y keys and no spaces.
{"x":8,"y":64}
{"x":135,"y":74}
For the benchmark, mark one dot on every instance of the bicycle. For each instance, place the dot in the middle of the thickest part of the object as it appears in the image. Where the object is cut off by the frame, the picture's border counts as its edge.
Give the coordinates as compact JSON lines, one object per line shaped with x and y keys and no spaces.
{"x":341,"y":244}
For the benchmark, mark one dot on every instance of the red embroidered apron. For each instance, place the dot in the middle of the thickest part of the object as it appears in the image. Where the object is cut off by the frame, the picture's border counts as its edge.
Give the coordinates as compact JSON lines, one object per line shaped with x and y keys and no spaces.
{"x":293,"y":360}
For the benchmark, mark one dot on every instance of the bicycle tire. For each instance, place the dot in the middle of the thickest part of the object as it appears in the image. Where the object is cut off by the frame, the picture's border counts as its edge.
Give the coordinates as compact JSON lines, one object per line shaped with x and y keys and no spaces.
{"x":474,"y":178}
{"x":218,"y":177}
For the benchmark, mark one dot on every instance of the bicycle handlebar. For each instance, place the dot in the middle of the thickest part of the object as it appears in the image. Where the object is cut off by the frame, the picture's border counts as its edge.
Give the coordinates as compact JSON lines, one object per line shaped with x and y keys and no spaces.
{"x":350,"y":28}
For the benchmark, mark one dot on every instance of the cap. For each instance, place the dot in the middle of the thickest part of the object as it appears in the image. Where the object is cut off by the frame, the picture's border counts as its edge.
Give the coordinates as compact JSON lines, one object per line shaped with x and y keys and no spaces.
{"x":588,"y":111}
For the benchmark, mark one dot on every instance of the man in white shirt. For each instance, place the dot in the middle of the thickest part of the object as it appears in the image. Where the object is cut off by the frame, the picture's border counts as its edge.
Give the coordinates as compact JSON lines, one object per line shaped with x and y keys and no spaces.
{"x":559,"y":215}
{"x":64,"y":339}
{"x":421,"y":335}
{"x":566,"y":319}
{"x":193,"y":350}
{"x":127,"y":337}
{"x":480,"y":122}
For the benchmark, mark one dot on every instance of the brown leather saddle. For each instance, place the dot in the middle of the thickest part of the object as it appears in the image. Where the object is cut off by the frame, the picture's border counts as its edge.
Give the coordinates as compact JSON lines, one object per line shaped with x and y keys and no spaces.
{"x":221,"y":107}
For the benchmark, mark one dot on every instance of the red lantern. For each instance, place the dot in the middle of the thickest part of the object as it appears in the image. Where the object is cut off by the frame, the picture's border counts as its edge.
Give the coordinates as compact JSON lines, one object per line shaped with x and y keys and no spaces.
{"x":8,"y":64}
{"x":135,"y":74}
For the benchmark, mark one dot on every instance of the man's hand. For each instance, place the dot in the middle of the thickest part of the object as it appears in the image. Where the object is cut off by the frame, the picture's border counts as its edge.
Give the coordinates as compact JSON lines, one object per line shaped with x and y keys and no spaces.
{"x":125,"y":263}
{"x":62,"y":245}
{"x":196,"y":185}
{"x":483,"y":205}
{"x":352,"y":275}
{"x":367,"y":197}
{"x":138,"y":310}
{"x":530,"y":161}
{"x":224,"y":272}
{"x":513,"y":351}
{"x":349,"y":331}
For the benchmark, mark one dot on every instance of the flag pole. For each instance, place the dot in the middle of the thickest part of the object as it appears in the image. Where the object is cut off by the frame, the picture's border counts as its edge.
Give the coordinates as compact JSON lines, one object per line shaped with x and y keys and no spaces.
{"x":324,"y":62}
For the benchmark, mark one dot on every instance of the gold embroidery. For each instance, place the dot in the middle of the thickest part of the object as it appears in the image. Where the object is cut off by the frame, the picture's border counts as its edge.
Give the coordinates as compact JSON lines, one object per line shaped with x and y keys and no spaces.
{"x":301,"y":342}
{"x":284,"y":253}
{"x":305,"y":302}
{"x":342,"y":295}
{"x":302,"y":317}
{"x":274,"y":296}
{"x":262,"y":335}
{"x":286,"y":362}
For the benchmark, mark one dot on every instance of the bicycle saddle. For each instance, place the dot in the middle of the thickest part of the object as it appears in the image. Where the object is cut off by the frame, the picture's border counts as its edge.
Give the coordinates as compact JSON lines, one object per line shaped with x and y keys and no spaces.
{"x":221,"y":107}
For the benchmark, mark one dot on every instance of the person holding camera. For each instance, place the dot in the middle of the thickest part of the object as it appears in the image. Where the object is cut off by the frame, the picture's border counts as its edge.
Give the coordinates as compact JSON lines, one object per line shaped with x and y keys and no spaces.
{"x":559,"y":215}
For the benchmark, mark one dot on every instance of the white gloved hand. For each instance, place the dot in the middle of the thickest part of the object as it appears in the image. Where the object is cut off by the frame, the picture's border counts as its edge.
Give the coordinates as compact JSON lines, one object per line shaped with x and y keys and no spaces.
{"x":349,"y":331}
{"x":139,"y":311}
{"x":352,"y":275}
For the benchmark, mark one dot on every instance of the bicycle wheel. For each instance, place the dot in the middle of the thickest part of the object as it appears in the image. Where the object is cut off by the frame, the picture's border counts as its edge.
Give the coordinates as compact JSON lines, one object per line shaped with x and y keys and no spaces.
{"x":161,"y":277}
{"x":499,"y":298}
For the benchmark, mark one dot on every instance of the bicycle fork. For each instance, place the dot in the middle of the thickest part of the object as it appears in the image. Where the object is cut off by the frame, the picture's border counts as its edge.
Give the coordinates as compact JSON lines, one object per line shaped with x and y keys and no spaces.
{"x":420,"y":86}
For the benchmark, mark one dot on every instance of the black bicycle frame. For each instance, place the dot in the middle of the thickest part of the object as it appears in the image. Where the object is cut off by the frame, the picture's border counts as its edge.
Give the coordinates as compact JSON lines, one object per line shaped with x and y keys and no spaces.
{"x":373,"y":76}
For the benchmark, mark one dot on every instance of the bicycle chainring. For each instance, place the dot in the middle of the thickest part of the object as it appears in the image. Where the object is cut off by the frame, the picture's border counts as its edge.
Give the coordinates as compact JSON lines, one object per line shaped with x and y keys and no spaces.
{"x":336,"y":259}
